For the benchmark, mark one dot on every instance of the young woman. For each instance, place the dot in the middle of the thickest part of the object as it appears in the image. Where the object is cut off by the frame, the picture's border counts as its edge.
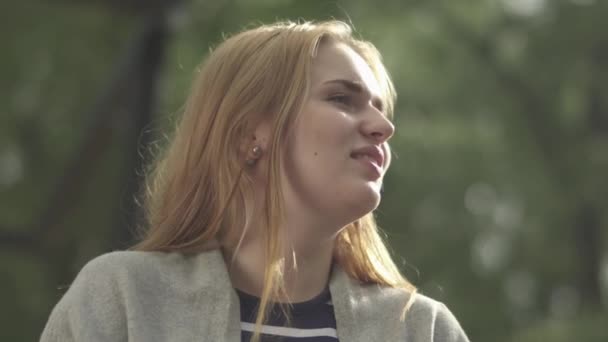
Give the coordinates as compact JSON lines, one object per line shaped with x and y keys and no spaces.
{"x":260,"y":210}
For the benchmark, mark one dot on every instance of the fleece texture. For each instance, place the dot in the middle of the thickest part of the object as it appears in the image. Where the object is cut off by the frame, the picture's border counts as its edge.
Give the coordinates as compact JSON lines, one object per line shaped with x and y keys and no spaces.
{"x":153,"y":296}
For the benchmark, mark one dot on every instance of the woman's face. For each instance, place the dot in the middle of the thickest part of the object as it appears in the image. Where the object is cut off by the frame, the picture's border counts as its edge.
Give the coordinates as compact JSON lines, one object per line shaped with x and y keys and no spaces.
{"x":338,"y":152}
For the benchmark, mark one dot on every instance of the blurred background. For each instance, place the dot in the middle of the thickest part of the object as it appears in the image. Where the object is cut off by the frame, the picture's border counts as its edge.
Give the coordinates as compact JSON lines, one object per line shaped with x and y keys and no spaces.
{"x":496,"y":202}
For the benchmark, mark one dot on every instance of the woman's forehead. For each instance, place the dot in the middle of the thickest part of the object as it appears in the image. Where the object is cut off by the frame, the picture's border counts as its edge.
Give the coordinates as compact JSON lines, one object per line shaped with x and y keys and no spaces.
{"x":338,"y":61}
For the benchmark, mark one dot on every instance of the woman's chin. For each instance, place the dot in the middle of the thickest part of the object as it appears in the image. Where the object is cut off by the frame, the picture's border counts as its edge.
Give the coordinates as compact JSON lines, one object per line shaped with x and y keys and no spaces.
{"x":366,"y":199}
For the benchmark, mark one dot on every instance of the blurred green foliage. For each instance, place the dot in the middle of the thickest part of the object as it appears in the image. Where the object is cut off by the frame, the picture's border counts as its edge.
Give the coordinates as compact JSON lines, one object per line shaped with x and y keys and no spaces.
{"x":496,"y":199}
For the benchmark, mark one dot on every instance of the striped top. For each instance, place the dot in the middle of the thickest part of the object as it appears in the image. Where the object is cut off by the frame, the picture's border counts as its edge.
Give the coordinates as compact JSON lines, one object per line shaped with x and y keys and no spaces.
{"x":311,"y":321}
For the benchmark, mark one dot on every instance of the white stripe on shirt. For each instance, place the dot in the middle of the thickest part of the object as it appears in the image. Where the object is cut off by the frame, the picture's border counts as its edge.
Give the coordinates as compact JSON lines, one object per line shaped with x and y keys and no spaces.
{"x":291,"y":332}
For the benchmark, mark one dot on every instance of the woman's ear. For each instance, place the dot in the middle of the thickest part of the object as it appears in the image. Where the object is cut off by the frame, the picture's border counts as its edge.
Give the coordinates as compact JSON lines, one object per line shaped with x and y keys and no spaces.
{"x":255,"y":144}
{"x":261,"y":133}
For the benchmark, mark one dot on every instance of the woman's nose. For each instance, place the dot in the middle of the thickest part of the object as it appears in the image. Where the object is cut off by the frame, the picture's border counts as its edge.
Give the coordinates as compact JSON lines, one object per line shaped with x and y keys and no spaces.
{"x":377,"y":126}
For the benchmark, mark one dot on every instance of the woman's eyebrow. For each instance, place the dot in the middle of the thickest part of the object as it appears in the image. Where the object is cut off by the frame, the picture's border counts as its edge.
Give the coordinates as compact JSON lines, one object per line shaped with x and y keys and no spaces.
{"x":353,"y":86}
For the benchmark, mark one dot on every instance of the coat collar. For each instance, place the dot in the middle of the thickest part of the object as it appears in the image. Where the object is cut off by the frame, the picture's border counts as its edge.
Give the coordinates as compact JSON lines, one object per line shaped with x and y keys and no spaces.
{"x":363,"y":312}
{"x":366,"y":312}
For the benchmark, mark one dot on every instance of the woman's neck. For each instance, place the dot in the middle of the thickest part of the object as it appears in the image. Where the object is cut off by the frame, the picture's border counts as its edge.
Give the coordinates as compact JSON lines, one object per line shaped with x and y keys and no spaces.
{"x":307,"y":268}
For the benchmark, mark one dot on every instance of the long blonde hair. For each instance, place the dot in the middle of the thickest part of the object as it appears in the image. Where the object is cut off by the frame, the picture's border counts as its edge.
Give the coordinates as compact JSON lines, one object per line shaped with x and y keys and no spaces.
{"x":198,"y":192}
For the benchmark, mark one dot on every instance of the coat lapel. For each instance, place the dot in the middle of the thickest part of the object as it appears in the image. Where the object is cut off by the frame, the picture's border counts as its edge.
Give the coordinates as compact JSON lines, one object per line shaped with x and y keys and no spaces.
{"x":366,"y":312}
{"x":220,"y":315}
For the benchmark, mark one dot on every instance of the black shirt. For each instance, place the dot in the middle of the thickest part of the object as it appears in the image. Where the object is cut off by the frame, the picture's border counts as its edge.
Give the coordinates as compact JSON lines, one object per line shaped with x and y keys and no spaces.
{"x":310,"y":321}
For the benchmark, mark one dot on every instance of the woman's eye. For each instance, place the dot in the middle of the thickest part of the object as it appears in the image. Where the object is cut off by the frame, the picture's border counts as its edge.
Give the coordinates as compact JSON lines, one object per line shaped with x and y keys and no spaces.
{"x":341,"y":99}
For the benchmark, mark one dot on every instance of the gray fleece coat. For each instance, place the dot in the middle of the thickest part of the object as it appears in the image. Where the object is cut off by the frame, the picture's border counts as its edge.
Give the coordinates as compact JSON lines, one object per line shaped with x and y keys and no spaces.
{"x":151,"y":296}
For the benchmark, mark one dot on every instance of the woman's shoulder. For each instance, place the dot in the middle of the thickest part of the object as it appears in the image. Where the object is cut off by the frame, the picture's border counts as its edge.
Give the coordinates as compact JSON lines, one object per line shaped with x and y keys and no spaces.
{"x":120,"y":260}
{"x":120,"y":268}
{"x":427,"y":313}
{"x":139,"y":283}
{"x":380,"y":306}
{"x":133,"y":260}
{"x":424,"y":304}
{"x":420,"y":306}
{"x":110,"y":266}
{"x":426,"y":319}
